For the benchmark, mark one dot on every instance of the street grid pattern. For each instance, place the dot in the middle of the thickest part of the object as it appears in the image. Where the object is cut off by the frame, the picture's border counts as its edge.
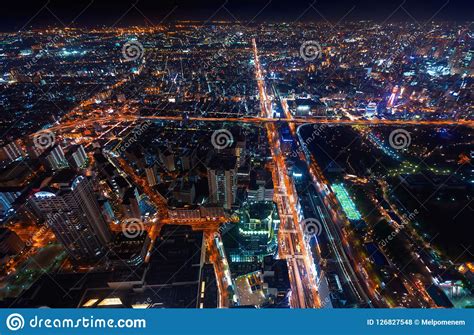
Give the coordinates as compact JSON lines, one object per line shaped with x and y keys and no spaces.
{"x":253,"y":122}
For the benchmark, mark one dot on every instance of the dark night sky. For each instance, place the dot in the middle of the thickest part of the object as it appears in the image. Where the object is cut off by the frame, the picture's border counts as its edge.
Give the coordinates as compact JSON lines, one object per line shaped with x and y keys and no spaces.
{"x":15,"y":14}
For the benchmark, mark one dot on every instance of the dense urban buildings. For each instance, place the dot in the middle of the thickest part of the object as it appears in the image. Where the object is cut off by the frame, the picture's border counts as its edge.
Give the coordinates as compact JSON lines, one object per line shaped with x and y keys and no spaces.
{"x":69,"y":206}
{"x":226,"y":164}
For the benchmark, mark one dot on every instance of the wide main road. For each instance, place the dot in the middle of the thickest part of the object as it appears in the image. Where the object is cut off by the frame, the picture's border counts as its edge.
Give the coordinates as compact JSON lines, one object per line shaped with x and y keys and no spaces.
{"x":290,"y":237}
{"x":254,"y":120}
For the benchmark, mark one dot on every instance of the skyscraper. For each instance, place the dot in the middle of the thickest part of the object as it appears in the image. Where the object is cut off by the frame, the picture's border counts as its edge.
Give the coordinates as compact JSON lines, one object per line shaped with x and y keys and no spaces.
{"x":222,"y":180}
{"x":10,"y":243}
{"x":70,"y":208}
{"x":77,"y":157}
{"x":130,"y":203}
{"x":56,"y":158}
{"x":168,"y":160}
{"x":11,"y":151}
{"x":152,"y":175}
{"x":7,"y":198}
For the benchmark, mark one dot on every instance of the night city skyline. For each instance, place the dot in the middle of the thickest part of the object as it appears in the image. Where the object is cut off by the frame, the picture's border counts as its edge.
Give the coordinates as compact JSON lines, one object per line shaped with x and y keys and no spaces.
{"x":237,"y":154}
{"x":95,"y":13}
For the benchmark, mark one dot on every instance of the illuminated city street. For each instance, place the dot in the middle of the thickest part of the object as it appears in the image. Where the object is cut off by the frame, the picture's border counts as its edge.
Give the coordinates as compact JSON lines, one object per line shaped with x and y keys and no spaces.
{"x":291,"y":156}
